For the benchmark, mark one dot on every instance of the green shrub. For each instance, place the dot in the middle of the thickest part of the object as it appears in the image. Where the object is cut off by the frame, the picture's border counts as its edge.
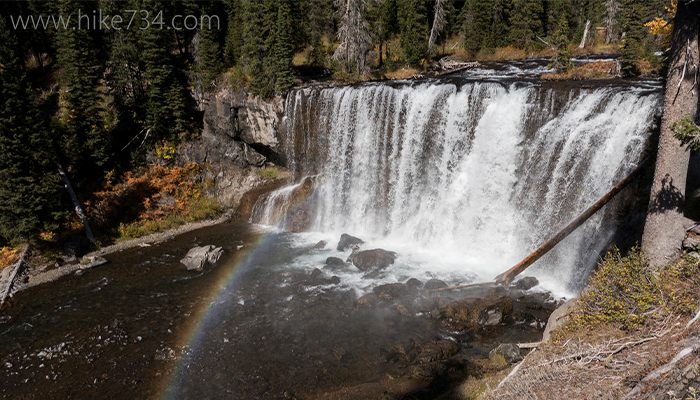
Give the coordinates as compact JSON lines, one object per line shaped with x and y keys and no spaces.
{"x":623,"y":290}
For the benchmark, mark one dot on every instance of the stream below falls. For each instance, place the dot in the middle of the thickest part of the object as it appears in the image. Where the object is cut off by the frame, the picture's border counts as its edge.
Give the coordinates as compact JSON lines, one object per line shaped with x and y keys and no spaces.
{"x":258,"y":325}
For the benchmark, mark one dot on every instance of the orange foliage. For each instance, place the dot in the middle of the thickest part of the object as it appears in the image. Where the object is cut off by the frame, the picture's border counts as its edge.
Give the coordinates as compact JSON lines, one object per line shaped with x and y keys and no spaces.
{"x":159,"y":194}
{"x":661,"y":27}
{"x":8,"y":256}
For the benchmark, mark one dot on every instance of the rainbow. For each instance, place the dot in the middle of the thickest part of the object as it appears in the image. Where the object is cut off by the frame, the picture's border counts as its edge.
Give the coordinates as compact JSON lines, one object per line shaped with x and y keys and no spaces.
{"x":207,"y":312}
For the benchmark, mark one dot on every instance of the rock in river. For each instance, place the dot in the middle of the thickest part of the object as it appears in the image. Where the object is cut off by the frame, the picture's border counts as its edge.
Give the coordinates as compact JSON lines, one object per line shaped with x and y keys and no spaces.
{"x":347,"y":241}
{"x":199,"y":257}
{"x":375,"y":259}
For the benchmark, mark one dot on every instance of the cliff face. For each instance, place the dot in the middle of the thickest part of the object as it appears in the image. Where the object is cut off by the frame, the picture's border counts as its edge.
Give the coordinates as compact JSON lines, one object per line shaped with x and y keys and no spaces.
{"x":240,"y":136}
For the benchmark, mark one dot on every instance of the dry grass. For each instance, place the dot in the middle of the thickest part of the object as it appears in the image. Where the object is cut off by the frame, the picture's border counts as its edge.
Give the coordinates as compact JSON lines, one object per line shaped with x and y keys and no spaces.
{"x":603,"y":368}
{"x":473,"y":387}
{"x":628,"y":322}
{"x":594,"y":70}
{"x":403,"y":73}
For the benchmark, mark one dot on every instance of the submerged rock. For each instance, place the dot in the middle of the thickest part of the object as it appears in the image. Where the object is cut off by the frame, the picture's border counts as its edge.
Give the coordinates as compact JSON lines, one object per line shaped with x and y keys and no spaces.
{"x":199,"y":257}
{"x":526,"y":283}
{"x":335,"y":263}
{"x":348,"y":241}
{"x":372,"y":259}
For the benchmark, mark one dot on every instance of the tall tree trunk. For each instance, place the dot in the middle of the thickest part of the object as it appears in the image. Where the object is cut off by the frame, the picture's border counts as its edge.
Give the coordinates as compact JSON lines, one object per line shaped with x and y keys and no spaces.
{"x":585,"y":34}
{"x":438,"y":24}
{"x":664,"y":228}
{"x":78,"y":208}
{"x":611,"y":9}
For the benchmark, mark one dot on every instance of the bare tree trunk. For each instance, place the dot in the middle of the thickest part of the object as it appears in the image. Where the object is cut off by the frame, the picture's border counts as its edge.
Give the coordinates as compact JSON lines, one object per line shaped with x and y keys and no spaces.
{"x":664,"y":227}
{"x":585,"y":34}
{"x":78,"y":208}
{"x":438,"y":24}
{"x":611,"y":9}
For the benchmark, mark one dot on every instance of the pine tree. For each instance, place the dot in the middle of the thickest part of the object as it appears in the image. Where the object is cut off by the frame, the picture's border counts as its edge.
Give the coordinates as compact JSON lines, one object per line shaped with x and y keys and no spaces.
{"x":560,"y":40}
{"x":162,"y":116}
{"x":28,"y":179}
{"x":253,"y":49}
{"x":525,"y":21}
{"x":633,"y":16}
{"x":234,"y":33}
{"x":413,"y":26}
{"x":284,"y":76}
{"x":85,"y":140}
{"x":381,"y":16}
{"x":210,"y":63}
{"x":476,"y":19}
{"x":320,"y":23}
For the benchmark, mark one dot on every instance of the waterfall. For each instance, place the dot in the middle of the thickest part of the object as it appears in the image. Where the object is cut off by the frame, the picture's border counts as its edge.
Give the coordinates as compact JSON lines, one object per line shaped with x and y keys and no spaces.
{"x":478,"y":173}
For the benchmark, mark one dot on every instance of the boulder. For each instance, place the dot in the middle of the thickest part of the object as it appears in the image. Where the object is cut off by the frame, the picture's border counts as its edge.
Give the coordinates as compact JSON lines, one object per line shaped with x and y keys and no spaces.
{"x":321,"y":245}
{"x":372,"y":260}
{"x":433,"y":284}
{"x":199,"y":257}
{"x":335,"y":263}
{"x":347,"y":241}
{"x":509,"y":351}
{"x":391,"y":291}
{"x":526,"y":283}
{"x":690,"y":243}
{"x":489,"y":310}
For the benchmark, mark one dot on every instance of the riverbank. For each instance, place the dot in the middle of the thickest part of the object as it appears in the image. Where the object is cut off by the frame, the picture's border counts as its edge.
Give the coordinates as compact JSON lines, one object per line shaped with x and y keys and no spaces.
{"x":34,"y":275}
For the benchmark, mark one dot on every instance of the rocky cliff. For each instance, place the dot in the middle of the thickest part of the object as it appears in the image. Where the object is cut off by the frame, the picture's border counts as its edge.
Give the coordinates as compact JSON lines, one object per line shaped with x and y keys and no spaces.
{"x":240,"y":137}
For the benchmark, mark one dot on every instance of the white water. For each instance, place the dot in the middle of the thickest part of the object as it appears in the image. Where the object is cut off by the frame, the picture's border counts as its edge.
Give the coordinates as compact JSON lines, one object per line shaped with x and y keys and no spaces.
{"x":468,"y":179}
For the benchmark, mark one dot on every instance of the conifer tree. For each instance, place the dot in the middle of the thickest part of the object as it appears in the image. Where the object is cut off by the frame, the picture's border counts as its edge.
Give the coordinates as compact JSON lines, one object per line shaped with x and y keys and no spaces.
{"x":525,"y":21}
{"x":282,"y":50}
{"x":234,"y":33}
{"x":476,"y":19}
{"x":85,"y":140}
{"x":633,"y":17}
{"x":28,"y":179}
{"x":413,"y":26}
{"x":210,"y":61}
{"x":320,"y":25}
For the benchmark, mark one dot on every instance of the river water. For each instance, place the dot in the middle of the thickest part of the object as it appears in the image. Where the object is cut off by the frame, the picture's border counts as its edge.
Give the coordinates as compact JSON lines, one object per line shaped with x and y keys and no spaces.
{"x":460,"y":177}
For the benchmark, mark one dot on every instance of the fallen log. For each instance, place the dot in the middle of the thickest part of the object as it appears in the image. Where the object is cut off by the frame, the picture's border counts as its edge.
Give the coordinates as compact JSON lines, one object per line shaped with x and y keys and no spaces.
{"x":16,"y":269}
{"x":506,"y":277}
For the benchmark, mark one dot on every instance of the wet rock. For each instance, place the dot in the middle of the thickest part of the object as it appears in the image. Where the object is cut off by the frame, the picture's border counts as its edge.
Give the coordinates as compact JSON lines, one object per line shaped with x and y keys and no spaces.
{"x":427,"y":371}
{"x":316,"y":273}
{"x":474,"y":311}
{"x":334,"y":280}
{"x":433,"y":284}
{"x":199,"y":257}
{"x":368,"y":300}
{"x":414,"y":284}
{"x":335,"y":263}
{"x":526,"y":283}
{"x":437,"y":350}
{"x":348,"y":241}
{"x":321,"y":245}
{"x":509,"y":351}
{"x":300,"y":206}
{"x":74,"y":248}
{"x":391,"y":291}
{"x":373,"y":259}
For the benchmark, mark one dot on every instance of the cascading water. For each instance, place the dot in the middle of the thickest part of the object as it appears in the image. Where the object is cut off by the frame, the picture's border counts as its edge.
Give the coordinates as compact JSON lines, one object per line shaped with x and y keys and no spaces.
{"x":468,"y":176}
